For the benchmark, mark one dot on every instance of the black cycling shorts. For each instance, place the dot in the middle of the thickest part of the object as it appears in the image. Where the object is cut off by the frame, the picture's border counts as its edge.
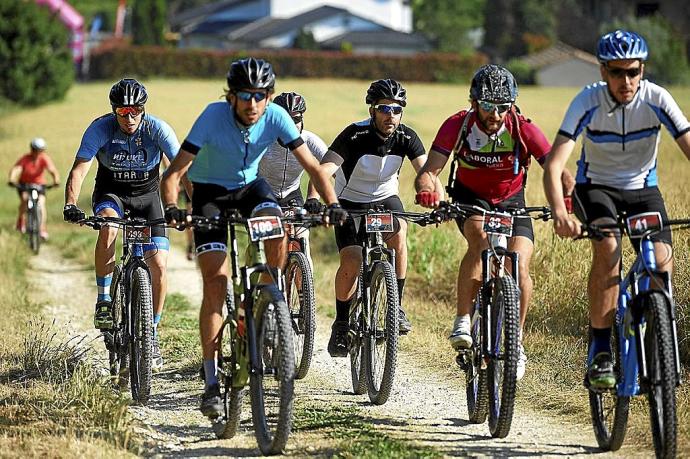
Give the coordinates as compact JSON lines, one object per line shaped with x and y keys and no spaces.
{"x":147,"y":205}
{"x":591,"y":202}
{"x":351,"y":233}
{"x":521,"y":226}
{"x":211,"y":200}
{"x":293,"y":199}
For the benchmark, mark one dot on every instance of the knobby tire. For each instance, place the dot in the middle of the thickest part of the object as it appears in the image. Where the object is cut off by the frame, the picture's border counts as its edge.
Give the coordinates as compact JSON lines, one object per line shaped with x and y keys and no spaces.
{"x":356,"y":332}
{"x":299,"y":289}
{"x":141,"y":343}
{"x":475,"y":376}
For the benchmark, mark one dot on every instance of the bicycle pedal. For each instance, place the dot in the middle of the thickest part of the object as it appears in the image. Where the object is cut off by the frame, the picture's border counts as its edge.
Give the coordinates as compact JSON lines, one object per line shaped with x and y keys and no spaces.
{"x":463,"y":360}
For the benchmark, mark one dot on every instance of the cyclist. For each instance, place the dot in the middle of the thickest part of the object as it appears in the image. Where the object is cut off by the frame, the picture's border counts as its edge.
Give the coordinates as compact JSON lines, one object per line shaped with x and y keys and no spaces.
{"x":366,"y":158}
{"x":282,"y":170}
{"x":222,"y":153}
{"x":492,"y":143}
{"x":620,"y":118}
{"x":129,"y":145}
{"x":28,"y":170}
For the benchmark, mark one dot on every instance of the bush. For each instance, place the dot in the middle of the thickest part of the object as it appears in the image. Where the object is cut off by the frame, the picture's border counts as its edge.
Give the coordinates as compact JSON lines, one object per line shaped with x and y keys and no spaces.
{"x":112,"y":61}
{"x":36,"y":60}
{"x":523,"y":72}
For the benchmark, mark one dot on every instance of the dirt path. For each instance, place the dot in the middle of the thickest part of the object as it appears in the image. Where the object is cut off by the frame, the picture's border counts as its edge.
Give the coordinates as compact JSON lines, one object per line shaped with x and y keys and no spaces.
{"x":422,"y":407}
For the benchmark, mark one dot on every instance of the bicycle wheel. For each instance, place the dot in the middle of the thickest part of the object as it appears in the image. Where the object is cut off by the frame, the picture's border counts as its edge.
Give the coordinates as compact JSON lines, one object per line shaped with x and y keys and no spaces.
{"x":141,"y":341}
{"x":661,"y":385}
{"x":502,"y":367}
{"x":272,"y":386}
{"x":608,"y":409}
{"x":299,"y":293}
{"x":117,"y":352}
{"x":355,"y":341}
{"x":33,"y":227}
{"x":475,"y":376}
{"x":381,"y":341}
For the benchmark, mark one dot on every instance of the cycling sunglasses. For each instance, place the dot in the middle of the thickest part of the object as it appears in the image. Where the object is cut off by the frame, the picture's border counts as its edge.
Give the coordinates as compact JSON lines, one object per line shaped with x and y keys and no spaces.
{"x":132,"y":110}
{"x":392,"y":109}
{"x":246,"y":96}
{"x":617,"y":72}
{"x":490,"y":106}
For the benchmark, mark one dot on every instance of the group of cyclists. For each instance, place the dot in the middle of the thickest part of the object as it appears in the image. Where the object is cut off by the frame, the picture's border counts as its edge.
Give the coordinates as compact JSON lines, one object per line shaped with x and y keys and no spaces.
{"x":249,"y":151}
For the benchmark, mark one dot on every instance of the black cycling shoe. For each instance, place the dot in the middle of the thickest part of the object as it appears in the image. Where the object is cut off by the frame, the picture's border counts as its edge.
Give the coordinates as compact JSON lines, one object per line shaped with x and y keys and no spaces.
{"x":404,"y":325}
{"x":600,"y":373}
{"x":211,"y":402}
{"x":337,"y":345}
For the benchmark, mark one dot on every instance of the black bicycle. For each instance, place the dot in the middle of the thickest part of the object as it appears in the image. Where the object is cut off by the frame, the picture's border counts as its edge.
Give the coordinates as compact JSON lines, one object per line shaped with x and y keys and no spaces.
{"x":33,"y":211}
{"x":130,"y":341}
{"x":256,"y":338}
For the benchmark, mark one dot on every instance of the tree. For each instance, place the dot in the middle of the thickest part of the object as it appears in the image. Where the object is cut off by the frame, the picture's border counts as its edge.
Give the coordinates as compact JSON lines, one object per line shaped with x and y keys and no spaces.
{"x":449,"y":22}
{"x":148,"y":22}
{"x":305,"y":40}
{"x":37,"y":64}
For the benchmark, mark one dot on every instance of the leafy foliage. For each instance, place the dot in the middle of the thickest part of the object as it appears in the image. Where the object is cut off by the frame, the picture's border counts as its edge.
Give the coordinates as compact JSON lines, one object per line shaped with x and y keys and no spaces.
{"x":36,"y":60}
{"x":448,"y":22}
{"x":305,"y":40}
{"x":149,"y":22}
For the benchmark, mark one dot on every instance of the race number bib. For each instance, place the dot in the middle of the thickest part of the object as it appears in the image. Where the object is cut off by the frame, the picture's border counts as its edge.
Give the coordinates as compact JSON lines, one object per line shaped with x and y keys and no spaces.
{"x":262,"y":228}
{"x":498,"y":223}
{"x":379,"y":223}
{"x":639,"y":224}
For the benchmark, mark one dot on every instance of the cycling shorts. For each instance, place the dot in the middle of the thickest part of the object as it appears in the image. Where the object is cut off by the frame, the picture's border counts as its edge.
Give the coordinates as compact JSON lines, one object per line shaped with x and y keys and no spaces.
{"x":294,"y":198}
{"x":210,"y":200}
{"x":351,"y":233}
{"x":147,"y":206}
{"x":41,"y":189}
{"x":591,"y":202}
{"x":521,"y":226}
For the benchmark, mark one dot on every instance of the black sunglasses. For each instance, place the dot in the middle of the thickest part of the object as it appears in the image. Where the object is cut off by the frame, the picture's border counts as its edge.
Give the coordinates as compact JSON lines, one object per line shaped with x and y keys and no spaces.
{"x":617,"y":72}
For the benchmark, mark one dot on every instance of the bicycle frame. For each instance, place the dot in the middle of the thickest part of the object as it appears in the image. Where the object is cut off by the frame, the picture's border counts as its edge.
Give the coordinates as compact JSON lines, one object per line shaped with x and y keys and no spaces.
{"x":373,"y":251}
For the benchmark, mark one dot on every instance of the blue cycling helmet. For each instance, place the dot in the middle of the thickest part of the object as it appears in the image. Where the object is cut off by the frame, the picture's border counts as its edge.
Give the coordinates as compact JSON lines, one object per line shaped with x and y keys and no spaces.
{"x":621,"y":44}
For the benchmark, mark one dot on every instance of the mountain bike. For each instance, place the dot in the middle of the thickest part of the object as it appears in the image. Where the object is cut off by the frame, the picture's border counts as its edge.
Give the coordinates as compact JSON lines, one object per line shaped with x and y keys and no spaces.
{"x":644,"y":341}
{"x":33,"y":212}
{"x":299,"y":286}
{"x":255,"y":339}
{"x":490,"y":364}
{"x":130,"y":341}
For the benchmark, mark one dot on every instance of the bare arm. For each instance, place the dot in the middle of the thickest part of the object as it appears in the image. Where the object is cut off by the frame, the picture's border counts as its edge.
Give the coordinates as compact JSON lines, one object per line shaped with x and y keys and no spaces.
{"x":172,"y":176}
{"x":684,"y":144}
{"x":318,"y":174}
{"x":419,"y":163}
{"x":15,"y":173}
{"x":311,"y":191}
{"x":75,"y":179}
{"x":52,"y":170}
{"x":427,"y":176}
{"x":553,"y":186}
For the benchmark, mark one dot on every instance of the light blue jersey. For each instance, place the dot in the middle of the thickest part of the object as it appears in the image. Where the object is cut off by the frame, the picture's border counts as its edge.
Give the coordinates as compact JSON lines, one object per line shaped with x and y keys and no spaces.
{"x":229,"y":154}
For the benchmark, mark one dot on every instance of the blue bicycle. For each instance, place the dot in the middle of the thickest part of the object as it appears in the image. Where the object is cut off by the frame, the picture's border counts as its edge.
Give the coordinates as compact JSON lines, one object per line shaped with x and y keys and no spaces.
{"x":644,"y":342}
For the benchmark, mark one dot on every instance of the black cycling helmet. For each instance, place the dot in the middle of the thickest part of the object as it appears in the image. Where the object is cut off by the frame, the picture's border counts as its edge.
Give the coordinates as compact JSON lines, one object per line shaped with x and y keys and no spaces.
{"x":251,"y":73}
{"x":494,"y":83}
{"x":386,"y":89}
{"x":292,"y":102}
{"x":127,"y":92}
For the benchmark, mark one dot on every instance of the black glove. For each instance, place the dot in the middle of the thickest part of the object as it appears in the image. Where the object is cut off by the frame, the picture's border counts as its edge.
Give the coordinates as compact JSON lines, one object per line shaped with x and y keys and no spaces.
{"x":72,"y":213}
{"x":336,"y":214}
{"x":313,"y":206}
{"x":173,"y":213}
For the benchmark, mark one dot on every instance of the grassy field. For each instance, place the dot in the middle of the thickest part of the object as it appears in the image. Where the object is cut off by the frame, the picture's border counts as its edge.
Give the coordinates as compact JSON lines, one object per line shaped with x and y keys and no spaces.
{"x":558,"y":319}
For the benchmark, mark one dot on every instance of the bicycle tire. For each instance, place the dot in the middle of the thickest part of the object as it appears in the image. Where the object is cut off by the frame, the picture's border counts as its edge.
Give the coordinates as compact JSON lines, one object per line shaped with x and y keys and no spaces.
{"x":476,"y":387}
{"x":502,"y":367}
{"x":226,"y":426}
{"x":299,"y":293}
{"x":116,"y":351}
{"x":141,"y":341}
{"x":609,"y":410}
{"x":661,"y":389}
{"x":33,"y":227}
{"x":276,"y":353}
{"x":357,"y":324}
{"x":381,"y":342}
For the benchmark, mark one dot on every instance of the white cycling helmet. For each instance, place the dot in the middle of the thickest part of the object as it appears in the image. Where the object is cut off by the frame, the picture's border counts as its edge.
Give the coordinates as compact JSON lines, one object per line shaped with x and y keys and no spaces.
{"x":38,"y":143}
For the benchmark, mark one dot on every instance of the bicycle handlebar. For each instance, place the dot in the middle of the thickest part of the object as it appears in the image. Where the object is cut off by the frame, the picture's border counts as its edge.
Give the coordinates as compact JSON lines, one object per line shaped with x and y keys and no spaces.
{"x":96,"y":222}
{"x":30,"y":186}
{"x":600,"y":231}
{"x":450,"y":211}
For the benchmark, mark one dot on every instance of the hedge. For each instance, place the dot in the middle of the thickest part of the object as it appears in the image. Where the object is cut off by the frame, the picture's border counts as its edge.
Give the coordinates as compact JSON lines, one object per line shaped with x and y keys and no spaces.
{"x":113,"y":61}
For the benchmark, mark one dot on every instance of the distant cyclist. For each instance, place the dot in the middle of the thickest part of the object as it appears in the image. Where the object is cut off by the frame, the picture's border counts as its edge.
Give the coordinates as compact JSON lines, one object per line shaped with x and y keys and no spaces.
{"x":620,"y":119}
{"x":129,"y":145}
{"x":29,"y":170}
{"x":283,"y":171}
{"x":493,"y":144}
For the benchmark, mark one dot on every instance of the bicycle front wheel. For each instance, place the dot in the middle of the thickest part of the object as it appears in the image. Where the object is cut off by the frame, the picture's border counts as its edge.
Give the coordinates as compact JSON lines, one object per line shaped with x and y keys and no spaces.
{"x":141,"y":341}
{"x":117,"y":352}
{"x":502,"y":368}
{"x":299,"y":293}
{"x":475,"y":376}
{"x":661,"y":381}
{"x":355,"y":341}
{"x":272,"y":386}
{"x":33,"y":227}
{"x":381,"y":341}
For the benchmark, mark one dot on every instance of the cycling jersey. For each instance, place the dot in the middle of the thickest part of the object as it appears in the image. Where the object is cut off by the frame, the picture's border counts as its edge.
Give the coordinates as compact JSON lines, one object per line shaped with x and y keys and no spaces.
{"x":621,"y":142}
{"x":128,"y":164}
{"x":228,"y":153}
{"x":487,"y":163}
{"x":33,"y":168}
{"x":370,"y":165}
{"x":282,"y":170}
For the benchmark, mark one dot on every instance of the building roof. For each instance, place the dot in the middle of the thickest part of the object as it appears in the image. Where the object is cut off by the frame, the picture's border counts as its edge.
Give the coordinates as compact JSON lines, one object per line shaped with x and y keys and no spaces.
{"x":200,"y":13}
{"x":386,"y":38}
{"x":556,"y":53}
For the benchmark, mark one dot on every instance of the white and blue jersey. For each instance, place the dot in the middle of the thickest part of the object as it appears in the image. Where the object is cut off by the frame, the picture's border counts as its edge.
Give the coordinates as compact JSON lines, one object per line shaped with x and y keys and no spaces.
{"x":128,"y":165}
{"x":621,"y":142}
{"x":227,"y":153}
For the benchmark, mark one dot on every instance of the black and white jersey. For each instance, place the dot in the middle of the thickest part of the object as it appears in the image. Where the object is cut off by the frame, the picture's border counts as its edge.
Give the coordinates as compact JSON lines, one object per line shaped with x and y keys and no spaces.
{"x":370,"y":165}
